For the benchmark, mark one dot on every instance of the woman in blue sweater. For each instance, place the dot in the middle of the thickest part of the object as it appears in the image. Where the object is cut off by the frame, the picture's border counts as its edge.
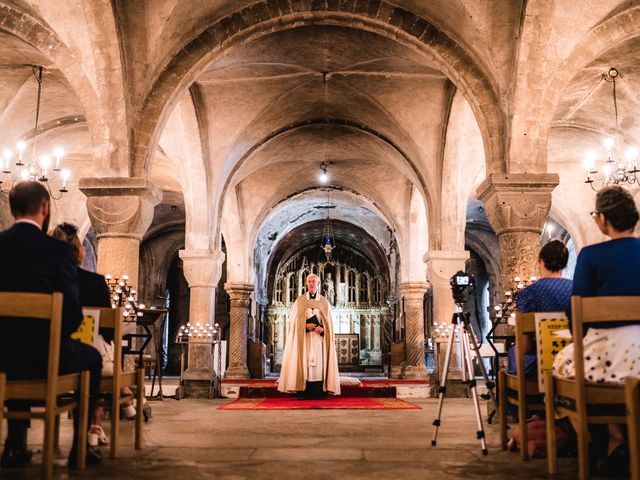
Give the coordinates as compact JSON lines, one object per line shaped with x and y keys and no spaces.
{"x":609,"y":268}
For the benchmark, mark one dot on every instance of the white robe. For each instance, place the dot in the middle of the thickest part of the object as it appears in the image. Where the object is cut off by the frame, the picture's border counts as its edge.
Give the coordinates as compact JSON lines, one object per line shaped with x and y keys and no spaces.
{"x":309,"y":356}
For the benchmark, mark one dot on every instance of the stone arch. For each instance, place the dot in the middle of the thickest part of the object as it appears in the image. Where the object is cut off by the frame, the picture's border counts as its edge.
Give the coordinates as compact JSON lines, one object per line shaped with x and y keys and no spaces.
{"x":271,"y":16}
{"x":616,"y":28}
{"x":37,"y":34}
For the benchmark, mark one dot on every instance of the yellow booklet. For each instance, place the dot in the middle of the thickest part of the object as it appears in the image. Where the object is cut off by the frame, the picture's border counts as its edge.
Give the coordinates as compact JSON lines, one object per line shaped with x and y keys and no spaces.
{"x":87,"y":332}
{"x":548,"y":342}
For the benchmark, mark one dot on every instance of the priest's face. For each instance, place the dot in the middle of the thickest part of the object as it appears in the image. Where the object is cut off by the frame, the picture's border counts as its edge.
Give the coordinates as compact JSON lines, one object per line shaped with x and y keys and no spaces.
{"x":312,"y":284}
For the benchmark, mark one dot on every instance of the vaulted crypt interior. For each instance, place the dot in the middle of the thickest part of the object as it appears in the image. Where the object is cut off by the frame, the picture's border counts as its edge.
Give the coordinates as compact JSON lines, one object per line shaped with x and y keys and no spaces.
{"x":453,"y":135}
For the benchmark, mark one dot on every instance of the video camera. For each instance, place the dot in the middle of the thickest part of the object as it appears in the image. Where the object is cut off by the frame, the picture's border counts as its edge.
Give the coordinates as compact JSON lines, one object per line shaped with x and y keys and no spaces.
{"x":460,"y":283}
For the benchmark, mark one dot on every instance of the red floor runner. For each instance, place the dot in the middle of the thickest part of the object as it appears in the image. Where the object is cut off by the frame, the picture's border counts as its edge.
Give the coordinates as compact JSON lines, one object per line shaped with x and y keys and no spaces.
{"x":348,"y":403}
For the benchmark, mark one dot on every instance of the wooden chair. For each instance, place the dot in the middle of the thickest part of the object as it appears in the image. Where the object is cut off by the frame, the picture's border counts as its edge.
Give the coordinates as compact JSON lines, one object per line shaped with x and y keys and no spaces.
{"x":3,"y":385}
{"x":524,"y":388}
{"x":608,"y":399}
{"x":47,"y":307}
{"x":112,"y":319}
{"x":632,"y":393}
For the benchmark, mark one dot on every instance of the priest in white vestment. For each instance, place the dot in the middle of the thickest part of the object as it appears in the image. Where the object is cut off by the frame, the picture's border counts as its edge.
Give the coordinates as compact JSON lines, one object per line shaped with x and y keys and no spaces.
{"x":310,"y":363}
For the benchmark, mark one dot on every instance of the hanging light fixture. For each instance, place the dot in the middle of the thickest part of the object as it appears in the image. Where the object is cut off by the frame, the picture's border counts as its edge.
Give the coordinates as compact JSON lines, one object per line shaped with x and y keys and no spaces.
{"x":328,"y":239}
{"x":618,"y":168}
{"x":30,"y":166}
{"x":324,"y":176}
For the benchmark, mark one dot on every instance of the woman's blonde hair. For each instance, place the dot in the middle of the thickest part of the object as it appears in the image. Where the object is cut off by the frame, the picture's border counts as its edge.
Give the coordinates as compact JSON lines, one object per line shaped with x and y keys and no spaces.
{"x":68,"y":232}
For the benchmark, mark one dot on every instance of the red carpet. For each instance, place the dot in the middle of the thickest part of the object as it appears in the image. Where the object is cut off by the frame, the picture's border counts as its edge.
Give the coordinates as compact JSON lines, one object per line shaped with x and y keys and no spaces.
{"x":336,"y":403}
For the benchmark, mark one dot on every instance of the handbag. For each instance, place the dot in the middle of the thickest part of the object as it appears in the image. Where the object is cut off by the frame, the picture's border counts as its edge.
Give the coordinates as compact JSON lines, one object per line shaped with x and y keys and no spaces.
{"x":106,"y":350}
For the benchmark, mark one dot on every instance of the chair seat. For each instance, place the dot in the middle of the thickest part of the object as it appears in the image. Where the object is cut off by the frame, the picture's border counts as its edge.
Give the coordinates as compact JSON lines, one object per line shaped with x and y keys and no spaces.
{"x":37,"y":389}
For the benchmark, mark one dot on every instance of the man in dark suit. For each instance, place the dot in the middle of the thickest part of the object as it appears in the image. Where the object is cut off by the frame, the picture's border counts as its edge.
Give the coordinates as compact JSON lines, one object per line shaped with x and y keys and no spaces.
{"x":31,"y":261}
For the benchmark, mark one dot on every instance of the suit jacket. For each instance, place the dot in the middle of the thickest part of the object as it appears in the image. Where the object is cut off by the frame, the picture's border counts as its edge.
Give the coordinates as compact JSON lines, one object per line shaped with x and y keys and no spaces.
{"x":31,"y":261}
{"x":94,"y":291}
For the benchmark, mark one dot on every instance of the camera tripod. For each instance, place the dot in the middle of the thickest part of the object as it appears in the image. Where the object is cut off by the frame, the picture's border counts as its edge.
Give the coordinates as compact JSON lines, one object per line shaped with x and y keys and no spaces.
{"x":462,"y":325}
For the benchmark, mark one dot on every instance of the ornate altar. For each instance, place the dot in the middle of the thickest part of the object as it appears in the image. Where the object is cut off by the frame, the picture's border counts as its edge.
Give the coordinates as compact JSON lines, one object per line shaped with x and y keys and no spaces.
{"x":348,"y":348}
{"x":354,"y":288}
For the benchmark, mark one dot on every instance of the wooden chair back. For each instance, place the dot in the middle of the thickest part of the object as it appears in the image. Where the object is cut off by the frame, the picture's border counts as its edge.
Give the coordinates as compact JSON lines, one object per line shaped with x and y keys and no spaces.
{"x":632,"y":396}
{"x":585,"y":311}
{"x":40,"y":306}
{"x":48,"y":308}
{"x":525,"y":324}
{"x":3,"y":384}
{"x":112,"y":318}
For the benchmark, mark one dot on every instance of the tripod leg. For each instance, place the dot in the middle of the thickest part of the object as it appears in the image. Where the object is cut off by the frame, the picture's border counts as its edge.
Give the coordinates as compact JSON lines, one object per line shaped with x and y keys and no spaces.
{"x":488,"y":383}
{"x":466,"y":353}
{"x":443,"y":382}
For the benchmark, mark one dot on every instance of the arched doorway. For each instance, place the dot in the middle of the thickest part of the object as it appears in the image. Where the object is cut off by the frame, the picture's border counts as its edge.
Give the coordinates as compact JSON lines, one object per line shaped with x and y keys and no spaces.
{"x":355,"y":280}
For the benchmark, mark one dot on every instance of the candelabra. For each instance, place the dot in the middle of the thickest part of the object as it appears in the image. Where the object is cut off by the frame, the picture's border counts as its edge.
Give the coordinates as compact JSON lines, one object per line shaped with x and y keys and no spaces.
{"x":198,"y":333}
{"x":507,"y":308}
{"x":203,"y":334}
{"x":30,"y":164}
{"x":441,"y":331}
{"x":124,"y":295}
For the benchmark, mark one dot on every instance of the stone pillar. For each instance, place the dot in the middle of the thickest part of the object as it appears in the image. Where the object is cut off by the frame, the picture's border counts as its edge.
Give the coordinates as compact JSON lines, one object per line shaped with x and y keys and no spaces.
{"x":202,"y":270}
{"x":240,"y":294}
{"x":121,"y":211}
{"x":441,"y":266}
{"x":517,"y":207}
{"x":413,"y":293}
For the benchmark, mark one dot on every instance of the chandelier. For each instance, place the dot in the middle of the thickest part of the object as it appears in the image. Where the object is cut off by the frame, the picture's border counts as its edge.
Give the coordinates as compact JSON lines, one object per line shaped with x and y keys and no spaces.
{"x":328,"y":240}
{"x":618,"y":168}
{"x":30,"y":166}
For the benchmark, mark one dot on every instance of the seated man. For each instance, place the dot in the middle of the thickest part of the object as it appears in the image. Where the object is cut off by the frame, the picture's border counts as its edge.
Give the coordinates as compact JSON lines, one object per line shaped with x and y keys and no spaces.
{"x":31,"y":261}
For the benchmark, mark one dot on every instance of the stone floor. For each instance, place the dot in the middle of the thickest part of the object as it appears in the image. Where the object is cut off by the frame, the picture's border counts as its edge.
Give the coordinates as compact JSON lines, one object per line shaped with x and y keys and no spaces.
{"x":191,"y":439}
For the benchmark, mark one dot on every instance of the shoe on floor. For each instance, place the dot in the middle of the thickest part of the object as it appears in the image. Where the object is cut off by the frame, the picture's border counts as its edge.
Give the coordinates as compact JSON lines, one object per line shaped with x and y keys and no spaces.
{"x":97,"y":436}
{"x":130,"y":412}
{"x":93,"y":457}
{"x":15,"y":457}
{"x":616,"y":465}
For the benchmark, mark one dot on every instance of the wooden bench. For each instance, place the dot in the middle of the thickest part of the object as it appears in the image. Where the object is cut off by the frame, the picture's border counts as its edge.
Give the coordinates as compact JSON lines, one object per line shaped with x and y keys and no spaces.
{"x":609,"y":398}
{"x":47,"y":307}
{"x":632,"y":393}
{"x":523,"y":387}
{"x":112,"y":319}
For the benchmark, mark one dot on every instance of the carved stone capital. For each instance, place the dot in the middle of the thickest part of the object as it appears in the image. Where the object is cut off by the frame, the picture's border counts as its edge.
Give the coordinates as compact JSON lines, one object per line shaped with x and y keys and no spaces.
{"x":413,"y":290}
{"x":240,"y":293}
{"x":517,"y":202}
{"x":120,"y":206}
{"x":202,"y":268}
{"x":443,"y":264}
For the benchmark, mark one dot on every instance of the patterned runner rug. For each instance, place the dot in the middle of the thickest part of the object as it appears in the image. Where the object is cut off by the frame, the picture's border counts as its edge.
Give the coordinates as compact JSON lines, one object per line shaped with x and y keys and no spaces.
{"x":336,"y":403}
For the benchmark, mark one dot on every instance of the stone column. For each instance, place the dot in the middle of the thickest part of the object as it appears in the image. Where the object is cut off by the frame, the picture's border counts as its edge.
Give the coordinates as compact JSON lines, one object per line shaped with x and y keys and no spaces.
{"x":121,"y":211}
{"x":202,"y":270}
{"x":240,"y":294}
{"x":441,"y":266}
{"x":413,"y":293}
{"x":517,"y":207}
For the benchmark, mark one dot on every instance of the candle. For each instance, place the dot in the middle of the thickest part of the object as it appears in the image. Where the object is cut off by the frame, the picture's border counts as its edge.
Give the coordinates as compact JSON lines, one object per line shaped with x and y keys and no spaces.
{"x":7,"y":158}
{"x":58,"y":152}
{"x":20,"y":146}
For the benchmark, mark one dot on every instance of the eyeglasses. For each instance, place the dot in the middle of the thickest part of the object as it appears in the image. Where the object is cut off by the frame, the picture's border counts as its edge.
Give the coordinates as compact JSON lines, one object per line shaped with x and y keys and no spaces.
{"x":595,"y":214}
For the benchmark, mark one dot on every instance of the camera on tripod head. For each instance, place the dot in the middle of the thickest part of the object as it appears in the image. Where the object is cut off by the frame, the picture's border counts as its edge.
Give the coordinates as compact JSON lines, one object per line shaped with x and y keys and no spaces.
{"x":460,"y":283}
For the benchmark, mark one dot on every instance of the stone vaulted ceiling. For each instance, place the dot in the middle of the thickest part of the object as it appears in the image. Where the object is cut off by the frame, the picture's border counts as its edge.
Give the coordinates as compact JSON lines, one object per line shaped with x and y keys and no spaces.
{"x":233,"y":105}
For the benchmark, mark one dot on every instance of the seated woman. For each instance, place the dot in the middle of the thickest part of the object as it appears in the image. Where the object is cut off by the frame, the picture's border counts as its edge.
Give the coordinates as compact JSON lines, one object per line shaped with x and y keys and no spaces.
{"x":94,"y":292}
{"x":551,"y":293}
{"x":609,"y":268}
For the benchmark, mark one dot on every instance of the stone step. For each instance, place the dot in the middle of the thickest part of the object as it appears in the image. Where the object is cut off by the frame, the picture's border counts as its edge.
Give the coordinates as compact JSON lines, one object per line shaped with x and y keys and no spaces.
{"x":346,"y":391}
